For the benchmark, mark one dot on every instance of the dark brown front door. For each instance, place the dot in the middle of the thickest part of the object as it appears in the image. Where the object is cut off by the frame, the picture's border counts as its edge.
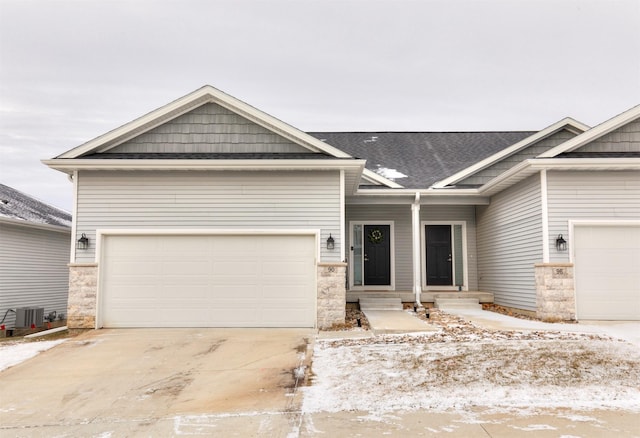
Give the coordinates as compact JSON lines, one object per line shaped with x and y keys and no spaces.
{"x":439,"y":255}
{"x":377,"y":255}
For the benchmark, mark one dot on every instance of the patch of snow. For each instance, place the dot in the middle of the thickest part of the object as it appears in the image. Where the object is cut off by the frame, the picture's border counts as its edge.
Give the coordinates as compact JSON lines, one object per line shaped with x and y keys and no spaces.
{"x":460,"y":370}
{"x":391,"y":174}
{"x":533,"y":427}
{"x":11,"y":354}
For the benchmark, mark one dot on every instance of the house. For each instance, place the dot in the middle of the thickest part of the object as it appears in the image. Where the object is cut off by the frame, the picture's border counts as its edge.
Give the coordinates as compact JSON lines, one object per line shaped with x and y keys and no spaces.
{"x":210,"y":212}
{"x":34,"y":254}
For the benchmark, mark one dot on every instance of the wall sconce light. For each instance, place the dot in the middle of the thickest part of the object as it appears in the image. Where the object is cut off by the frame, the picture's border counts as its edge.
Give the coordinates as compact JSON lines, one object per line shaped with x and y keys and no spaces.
{"x":83,"y":242}
{"x":561,"y":244}
{"x":331,"y":243}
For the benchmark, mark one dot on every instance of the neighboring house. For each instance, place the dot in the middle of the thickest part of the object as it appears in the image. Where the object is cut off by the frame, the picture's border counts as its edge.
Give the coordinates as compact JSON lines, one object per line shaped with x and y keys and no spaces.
{"x":209,"y":212}
{"x":34,"y":256}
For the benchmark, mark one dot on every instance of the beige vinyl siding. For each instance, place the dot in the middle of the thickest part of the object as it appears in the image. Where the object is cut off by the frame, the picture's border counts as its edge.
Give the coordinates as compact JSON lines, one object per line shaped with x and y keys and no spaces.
{"x":209,"y":200}
{"x":583,"y":195}
{"x":624,"y":139}
{"x":209,"y":128}
{"x":33,"y":269}
{"x":401,"y":217}
{"x":485,"y":175}
{"x":510,"y":243}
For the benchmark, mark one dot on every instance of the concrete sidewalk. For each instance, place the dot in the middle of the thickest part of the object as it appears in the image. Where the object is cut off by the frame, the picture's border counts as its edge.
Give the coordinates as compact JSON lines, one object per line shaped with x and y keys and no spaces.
{"x":395,"y":321}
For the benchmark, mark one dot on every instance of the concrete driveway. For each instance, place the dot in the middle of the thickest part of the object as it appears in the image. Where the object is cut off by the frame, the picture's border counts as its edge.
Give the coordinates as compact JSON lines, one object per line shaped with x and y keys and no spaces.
{"x":157,"y":382}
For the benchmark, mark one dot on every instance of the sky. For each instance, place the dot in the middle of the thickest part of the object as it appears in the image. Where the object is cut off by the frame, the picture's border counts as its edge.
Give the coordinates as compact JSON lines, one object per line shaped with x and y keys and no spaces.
{"x":71,"y":70}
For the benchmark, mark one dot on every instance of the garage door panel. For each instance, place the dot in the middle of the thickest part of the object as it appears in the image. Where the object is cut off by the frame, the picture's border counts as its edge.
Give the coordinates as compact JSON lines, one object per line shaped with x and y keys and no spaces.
{"x":208,"y":281}
{"x":607,"y":272}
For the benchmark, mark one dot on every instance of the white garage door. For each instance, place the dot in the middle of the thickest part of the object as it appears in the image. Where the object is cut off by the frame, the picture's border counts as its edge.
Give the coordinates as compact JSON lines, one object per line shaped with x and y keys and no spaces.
{"x":607,"y":272}
{"x":208,"y":281}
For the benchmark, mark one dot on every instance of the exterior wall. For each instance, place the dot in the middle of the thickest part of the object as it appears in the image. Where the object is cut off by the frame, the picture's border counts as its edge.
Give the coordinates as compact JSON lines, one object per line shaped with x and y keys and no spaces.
{"x":209,"y":128}
{"x":331,"y":294}
{"x":225,"y":200}
{"x":33,"y":270}
{"x":584,"y":195}
{"x":507,"y":163}
{"x":624,"y":139}
{"x":510,"y":243}
{"x":401,"y":216}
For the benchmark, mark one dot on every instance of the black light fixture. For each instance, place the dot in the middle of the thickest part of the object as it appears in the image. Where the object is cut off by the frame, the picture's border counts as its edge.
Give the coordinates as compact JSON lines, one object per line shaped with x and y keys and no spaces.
{"x":83,"y":242}
{"x":561,"y":244}
{"x":330,"y":242}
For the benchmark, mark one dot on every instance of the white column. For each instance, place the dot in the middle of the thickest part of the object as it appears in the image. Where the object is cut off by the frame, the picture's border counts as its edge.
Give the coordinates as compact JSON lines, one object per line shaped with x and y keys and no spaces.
{"x":415,"y":227}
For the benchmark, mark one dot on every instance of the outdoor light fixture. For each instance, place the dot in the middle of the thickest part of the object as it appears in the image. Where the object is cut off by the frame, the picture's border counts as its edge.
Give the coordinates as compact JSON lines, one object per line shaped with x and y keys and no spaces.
{"x":330,"y":242}
{"x":561,"y":244}
{"x":83,"y":242}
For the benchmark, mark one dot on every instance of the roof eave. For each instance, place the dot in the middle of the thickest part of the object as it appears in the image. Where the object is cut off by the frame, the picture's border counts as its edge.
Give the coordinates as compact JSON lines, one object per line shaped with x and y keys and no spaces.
{"x":40,"y":226}
{"x":566,"y":123}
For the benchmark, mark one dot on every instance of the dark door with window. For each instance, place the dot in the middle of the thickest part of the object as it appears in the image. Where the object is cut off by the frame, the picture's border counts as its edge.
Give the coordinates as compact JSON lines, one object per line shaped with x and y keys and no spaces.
{"x":439,"y":255}
{"x":377,"y":255}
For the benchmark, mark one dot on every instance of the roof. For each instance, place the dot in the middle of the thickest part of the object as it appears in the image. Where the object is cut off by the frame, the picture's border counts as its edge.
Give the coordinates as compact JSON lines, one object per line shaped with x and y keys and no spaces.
{"x":19,"y":207}
{"x":419,"y":159}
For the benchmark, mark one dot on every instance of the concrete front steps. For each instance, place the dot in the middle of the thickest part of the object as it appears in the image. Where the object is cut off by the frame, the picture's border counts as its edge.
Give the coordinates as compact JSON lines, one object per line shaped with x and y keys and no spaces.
{"x":457,"y":303}
{"x":380,"y":303}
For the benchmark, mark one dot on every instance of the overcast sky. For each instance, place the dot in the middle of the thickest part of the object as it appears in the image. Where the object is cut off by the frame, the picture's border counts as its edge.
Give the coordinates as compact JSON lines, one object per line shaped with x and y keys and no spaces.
{"x":72,"y":70}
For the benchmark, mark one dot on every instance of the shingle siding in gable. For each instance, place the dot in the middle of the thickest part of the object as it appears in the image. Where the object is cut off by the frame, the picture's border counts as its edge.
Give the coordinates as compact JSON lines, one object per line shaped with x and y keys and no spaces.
{"x":589,"y":196}
{"x":485,"y":175}
{"x":624,"y":139}
{"x":209,"y":200}
{"x":509,"y":233}
{"x":209,"y":128}
{"x":33,"y":270}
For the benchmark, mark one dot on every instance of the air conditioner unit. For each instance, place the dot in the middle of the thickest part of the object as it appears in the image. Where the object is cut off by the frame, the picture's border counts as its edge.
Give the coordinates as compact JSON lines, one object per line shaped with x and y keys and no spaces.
{"x":28,"y":316}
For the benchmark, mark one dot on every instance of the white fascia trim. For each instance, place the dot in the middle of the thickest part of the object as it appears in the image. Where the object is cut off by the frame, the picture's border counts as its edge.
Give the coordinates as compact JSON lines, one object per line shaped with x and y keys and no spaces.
{"x":107,"y":164}
{"x":46,"y":227}
{"x":371,"y":176}
{"x":566,"y":123}
{"x":535,"y":164}
{"x":594,"y":133}
{"x":201,"y":96}
{"x":412,"y":192}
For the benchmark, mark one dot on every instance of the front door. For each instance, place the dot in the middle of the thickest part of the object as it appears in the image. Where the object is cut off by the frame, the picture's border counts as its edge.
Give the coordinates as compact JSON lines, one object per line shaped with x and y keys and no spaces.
{"x":376,"y":257}
{"x":439,"y":255}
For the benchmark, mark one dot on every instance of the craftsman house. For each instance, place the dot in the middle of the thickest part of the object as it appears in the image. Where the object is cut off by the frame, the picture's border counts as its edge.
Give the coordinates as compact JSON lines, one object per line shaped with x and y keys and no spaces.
{"x":208,"y":212}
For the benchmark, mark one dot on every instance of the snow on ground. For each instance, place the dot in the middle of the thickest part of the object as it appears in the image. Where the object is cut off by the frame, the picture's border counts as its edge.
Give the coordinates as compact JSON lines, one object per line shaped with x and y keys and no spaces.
{"x":13,"y":353}
{"x":463,"y":368}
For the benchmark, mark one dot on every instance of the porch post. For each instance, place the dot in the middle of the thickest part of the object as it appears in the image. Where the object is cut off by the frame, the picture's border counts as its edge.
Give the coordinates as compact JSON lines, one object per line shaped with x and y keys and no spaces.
{"x":415,"y":227}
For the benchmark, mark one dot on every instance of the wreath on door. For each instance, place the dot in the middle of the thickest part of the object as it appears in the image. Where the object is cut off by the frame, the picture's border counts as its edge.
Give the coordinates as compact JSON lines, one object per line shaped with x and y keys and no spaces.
{"x":375,"y":236}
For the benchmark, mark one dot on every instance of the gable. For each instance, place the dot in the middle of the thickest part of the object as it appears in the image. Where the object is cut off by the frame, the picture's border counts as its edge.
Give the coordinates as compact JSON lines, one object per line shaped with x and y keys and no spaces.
{"x":209,"y":128}
{"x":625,"y":139}
{"x":485,"y":175}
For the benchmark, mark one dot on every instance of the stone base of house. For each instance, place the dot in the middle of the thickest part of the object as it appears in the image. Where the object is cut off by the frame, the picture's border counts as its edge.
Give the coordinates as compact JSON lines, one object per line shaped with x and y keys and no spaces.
{"x":555,"y":292}
{"x":331,"y":294}
{"x":83,"y":288}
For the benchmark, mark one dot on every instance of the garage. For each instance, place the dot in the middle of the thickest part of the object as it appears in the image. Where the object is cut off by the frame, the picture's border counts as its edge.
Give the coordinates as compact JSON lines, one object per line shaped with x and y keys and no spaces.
{"x":607,"y":272}
{"x":207,"y":281}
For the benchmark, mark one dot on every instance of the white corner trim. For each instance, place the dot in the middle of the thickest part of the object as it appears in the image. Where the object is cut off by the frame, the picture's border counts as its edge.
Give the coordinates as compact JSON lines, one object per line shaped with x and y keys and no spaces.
{"x":545,"y":216}
{"x":566,"y":123}
{"x":594,"y":133}
{"x":343,"y":241}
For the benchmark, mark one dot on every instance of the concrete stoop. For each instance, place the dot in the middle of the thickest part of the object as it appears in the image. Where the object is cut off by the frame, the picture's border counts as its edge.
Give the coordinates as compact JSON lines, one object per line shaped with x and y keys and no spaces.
{"x":380,"y":303}
{"x":457,"y":303}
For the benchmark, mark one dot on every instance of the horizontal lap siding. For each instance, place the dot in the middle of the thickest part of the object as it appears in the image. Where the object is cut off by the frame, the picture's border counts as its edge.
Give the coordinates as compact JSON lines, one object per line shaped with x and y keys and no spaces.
{"x":509,"y":244}
{"x":225,"y":200}
{"x":590,"y":196}
{"x":401,"y":217}
{"x":33,"y":270}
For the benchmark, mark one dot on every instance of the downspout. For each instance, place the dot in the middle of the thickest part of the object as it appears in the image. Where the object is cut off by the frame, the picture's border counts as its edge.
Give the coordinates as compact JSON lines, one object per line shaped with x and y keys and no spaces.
{"x":415,"y":225}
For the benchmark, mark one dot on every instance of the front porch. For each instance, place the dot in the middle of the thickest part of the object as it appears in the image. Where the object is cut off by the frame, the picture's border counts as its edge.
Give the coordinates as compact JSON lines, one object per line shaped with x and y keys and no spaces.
{"x":426,"y":297}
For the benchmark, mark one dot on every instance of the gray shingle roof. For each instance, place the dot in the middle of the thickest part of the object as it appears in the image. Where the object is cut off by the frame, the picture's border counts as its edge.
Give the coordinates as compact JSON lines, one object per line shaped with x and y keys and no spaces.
{"x":19,"y":206}
{"x":424,"y":157}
